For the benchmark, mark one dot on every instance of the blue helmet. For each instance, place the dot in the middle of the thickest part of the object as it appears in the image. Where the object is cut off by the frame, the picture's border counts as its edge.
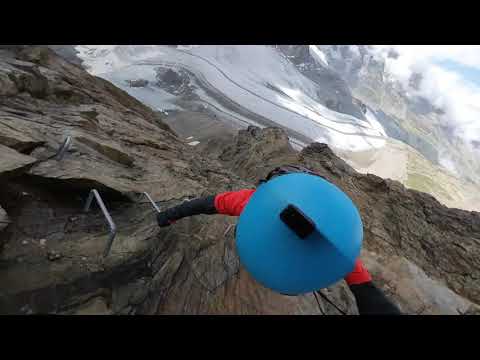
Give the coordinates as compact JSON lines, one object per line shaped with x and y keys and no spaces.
{"x":299,"y":233}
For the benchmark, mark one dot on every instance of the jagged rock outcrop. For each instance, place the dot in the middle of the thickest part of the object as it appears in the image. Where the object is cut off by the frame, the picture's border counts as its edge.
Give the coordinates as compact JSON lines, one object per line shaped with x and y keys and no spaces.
{"x":398,"y":223}
{"x":51,"y":251}
{"x":412,"y":288}
{"x":13,"y":161}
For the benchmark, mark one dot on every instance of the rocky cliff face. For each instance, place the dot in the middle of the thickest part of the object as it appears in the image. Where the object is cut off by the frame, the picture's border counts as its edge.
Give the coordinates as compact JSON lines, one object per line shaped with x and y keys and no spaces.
{"x":424,"y":255}
{"x":413,"y":243}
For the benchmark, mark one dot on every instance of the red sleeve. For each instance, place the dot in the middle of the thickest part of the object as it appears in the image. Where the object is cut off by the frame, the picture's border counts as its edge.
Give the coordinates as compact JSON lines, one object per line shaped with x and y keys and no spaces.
{"x":232,"y":202}
{"x":359,"y":275}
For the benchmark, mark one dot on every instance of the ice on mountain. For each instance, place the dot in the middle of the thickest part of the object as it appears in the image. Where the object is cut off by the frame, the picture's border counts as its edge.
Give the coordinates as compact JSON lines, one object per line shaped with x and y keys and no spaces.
{"x":241,"y":74}
{"x":318,"y":54}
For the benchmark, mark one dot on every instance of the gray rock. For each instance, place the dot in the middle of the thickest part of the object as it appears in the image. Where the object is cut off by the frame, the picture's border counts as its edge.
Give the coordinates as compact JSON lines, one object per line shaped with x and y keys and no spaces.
{"x":96,"y":306}
{"x":68,"y":53}
{"x":413,"y":290}
{"x":53,"y":256}
{"x":4,"y":220}
{"x":133,"y":293}
{"x":7,"y":85}
{"x":137,"y":83}
{"x":474,"y":310}
{"x":13,"y":162}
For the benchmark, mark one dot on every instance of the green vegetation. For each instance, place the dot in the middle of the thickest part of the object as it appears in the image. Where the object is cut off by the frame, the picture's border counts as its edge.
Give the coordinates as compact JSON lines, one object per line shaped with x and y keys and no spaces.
{"x":426,"y":184}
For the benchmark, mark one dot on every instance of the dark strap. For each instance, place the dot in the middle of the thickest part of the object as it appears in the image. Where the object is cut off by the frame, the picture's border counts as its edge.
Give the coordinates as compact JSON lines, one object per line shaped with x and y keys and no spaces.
{"x":329,"y":301}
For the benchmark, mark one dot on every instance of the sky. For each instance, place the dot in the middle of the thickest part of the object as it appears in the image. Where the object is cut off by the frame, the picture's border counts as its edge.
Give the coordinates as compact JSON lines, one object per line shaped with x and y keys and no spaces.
{"x":451,"y":79}
{"x":467,"y":72}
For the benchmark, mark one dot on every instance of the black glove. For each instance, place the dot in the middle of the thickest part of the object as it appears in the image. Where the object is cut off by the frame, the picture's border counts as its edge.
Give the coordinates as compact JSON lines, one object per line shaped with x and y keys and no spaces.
{"x":204,"y":205}
{"x":163,"y":219}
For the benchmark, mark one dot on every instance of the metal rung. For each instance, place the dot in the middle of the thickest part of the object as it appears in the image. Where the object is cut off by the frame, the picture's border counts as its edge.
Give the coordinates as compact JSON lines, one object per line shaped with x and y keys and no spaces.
{"x":111,"y":224}
{"x":230,"y":226}
{"x":63,"y":149}
{"x":153,"y":202}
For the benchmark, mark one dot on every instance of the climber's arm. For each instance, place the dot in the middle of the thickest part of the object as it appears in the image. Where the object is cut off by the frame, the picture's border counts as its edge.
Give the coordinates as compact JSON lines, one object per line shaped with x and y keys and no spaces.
{"x":370,"y":299}
{"x":232,"y":203}
{"x":198,"y":206}
{"x":228,"y":203}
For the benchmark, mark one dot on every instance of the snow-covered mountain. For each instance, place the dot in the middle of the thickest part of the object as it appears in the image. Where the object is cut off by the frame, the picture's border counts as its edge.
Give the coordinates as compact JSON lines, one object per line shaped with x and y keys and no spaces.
{"x":340,"y":95}
{"x":258,"y":84}
{"x":404,"y":113}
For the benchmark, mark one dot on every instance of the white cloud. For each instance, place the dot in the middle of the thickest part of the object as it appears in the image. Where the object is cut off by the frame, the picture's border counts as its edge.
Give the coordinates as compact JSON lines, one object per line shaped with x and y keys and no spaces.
{"x":447,"y":89}
{"x":468,"y":55}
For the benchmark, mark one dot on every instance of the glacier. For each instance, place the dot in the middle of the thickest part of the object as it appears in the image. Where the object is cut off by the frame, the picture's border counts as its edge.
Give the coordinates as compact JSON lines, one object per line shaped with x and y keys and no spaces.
{"x":255,"y":79}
